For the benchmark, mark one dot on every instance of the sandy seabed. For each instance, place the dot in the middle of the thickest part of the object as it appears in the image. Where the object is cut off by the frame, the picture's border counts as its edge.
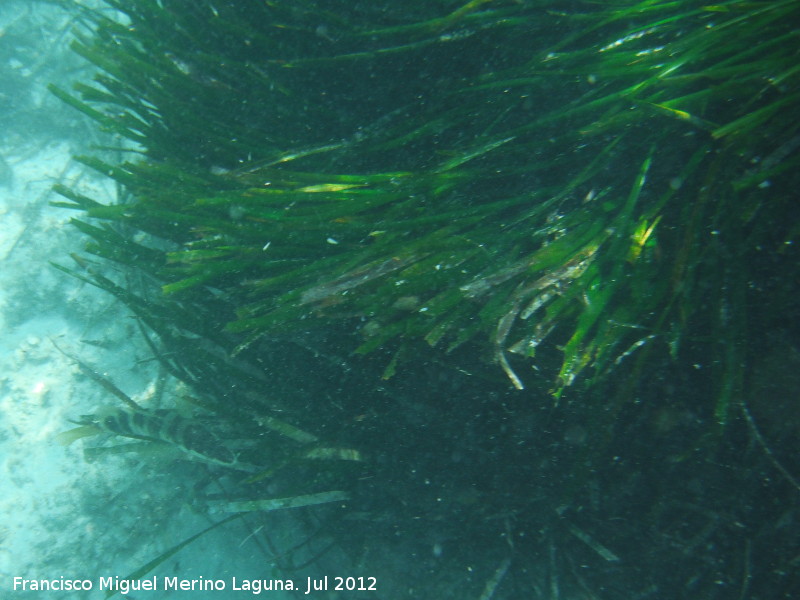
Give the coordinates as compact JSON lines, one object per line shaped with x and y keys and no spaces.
{"x":61,"y":515}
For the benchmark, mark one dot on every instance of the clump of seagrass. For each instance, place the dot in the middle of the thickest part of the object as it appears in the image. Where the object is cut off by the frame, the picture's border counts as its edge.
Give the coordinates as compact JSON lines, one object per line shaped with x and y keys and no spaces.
{"x":502,"y":195}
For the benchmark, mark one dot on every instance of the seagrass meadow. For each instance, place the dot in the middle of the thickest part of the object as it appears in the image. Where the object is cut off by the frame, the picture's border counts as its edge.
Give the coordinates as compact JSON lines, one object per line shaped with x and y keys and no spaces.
{"x":512,"y":285}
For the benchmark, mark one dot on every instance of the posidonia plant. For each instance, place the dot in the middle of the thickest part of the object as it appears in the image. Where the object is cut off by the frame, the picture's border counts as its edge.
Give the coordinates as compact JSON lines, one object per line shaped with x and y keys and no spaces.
{"x":495,"y":175}
{"x":538,"y":194}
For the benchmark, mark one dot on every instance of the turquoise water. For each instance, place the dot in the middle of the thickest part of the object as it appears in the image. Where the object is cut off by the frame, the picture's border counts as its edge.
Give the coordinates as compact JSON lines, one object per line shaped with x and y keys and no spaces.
{"x":63,"y":517}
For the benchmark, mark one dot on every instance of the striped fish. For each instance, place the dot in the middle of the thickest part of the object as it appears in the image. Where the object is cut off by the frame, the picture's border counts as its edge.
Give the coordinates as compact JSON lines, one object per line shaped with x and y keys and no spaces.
{"x":168,"y":427}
